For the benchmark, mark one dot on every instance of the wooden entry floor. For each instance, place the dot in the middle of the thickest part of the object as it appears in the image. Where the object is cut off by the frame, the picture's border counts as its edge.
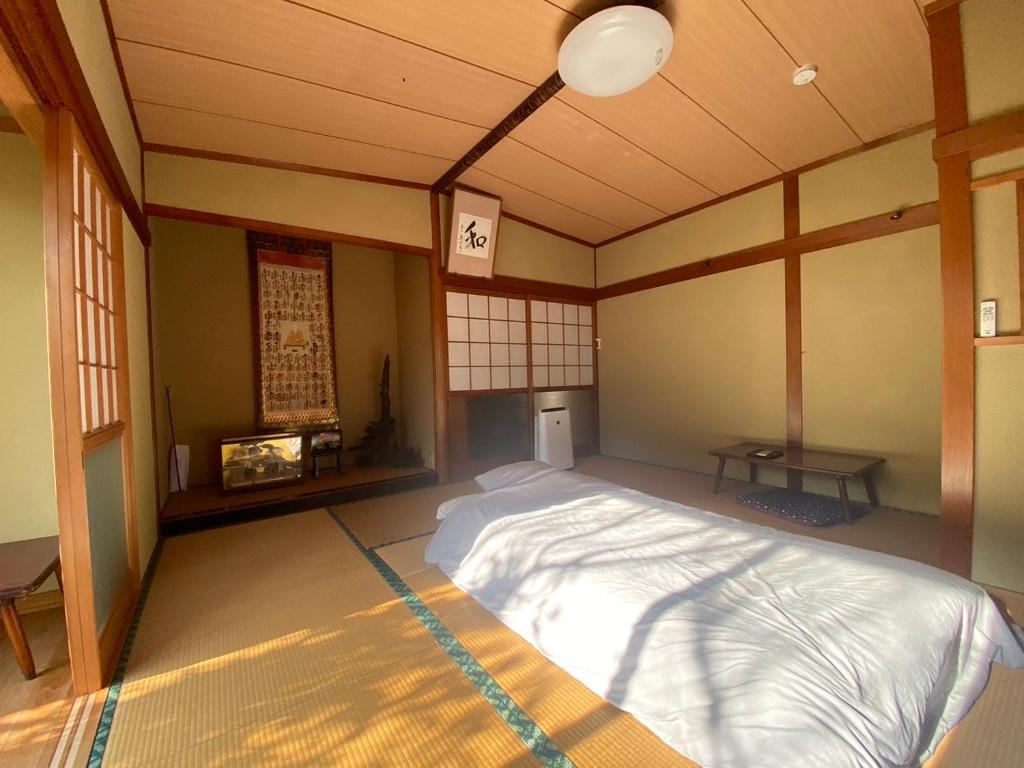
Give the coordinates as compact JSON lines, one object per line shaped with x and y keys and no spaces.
{"x":32,"y":712}
{"x":190,"y":509}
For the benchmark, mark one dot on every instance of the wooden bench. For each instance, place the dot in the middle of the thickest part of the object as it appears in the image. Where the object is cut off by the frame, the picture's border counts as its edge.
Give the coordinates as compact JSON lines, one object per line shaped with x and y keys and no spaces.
{"x":24,"y":566}
{"x":841,"y":466}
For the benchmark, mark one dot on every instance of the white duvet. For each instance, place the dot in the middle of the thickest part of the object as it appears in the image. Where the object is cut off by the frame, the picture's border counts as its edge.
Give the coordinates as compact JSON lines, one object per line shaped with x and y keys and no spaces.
{"x":739,"y":645}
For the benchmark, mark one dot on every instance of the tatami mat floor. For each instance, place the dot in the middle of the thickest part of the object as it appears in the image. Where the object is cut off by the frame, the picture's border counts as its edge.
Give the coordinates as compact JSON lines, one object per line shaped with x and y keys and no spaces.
{"x":286,"y":642}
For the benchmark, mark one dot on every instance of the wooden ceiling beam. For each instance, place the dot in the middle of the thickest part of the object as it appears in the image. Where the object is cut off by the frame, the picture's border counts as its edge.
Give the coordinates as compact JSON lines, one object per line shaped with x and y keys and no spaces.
{"x":525,"y":108}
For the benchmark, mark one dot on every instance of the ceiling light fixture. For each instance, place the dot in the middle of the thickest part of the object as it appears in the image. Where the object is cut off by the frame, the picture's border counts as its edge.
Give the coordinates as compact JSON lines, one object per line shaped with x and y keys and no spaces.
{"x":615,"y":50}
{"x":805,"y":74}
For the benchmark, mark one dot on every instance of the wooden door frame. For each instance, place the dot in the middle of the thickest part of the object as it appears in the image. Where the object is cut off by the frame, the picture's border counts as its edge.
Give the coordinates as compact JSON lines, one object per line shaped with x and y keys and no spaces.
{"x":93,"y":650}
{"x":45,"y":89}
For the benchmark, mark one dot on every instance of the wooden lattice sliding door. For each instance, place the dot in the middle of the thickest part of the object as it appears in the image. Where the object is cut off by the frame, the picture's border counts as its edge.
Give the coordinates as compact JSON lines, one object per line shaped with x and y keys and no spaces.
{"x":91,"y":402}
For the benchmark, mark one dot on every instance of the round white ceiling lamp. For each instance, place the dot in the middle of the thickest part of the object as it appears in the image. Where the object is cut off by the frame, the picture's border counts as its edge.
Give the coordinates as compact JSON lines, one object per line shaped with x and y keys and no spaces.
{"x":615,"y":50}
{"x":805,"y":74}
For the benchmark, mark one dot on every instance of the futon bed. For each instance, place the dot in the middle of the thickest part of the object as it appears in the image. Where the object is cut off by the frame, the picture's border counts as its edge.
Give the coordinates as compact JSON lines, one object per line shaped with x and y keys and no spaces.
{"x":738,"y":645}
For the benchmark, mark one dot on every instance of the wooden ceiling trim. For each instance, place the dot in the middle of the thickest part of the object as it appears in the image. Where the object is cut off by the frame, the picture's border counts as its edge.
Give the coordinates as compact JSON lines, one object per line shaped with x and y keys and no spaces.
{"x":280,"y":228}
{"x":204,"y":154}
{"x":533,"y":170}
{"x":796,"y":63}
{"x":515,"y":38}
{"x":875,"y":75}
{"x":904,"y":134}
{"x":301,"y":80}
{"x":160,"y":76}
{"x":711,"y":154}
{"x":105,"y":7}
{"x":539,"y":208}
{"x":309,"y":45}
{"x":566,"y":134}
{"x":640,"y":148}
{"x":289,"y":128}
{"x":175,"y":126}
{"x":735,"y":70}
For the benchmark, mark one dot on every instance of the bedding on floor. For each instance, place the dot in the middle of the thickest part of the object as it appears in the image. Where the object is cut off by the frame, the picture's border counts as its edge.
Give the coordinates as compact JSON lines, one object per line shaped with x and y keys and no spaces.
{"x":737,"y":644}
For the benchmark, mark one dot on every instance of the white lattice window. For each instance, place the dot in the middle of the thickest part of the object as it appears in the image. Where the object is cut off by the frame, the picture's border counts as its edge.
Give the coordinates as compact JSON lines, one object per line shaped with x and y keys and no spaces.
{"x":487,"y":344}
{"x":562,"y":339}
{"x":96,"y":311}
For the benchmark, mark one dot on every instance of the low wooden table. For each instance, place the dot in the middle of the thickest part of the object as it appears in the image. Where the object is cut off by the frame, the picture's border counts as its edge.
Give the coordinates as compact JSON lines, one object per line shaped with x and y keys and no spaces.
{"x":841,"y":466}
{"x":24,"y":566}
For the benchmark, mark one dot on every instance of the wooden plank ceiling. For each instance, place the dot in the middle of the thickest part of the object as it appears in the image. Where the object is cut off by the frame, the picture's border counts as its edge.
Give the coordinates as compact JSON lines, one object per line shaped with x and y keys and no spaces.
{"x":401,"y":90}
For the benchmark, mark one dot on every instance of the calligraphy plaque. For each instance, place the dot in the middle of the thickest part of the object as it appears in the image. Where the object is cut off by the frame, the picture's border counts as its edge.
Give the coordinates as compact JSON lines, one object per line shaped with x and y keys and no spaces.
{"x":475,"y":219}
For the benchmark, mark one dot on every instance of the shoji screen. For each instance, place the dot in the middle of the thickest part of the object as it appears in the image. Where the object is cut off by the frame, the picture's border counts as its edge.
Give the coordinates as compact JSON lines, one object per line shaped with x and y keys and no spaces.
{"x":97,"y":322}
{"x":486,"y":342}
{"x":562,"y":336}
{"x":509,"y":355}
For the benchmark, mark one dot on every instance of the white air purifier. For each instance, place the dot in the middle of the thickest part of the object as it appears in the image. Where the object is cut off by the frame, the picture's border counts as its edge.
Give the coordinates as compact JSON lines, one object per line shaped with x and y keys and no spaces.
{"x":553,"y":438}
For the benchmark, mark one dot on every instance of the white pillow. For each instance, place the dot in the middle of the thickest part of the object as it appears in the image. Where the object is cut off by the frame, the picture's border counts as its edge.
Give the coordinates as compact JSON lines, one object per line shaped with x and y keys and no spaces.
{"x":446,"y":507}
{"x":511,"y":474}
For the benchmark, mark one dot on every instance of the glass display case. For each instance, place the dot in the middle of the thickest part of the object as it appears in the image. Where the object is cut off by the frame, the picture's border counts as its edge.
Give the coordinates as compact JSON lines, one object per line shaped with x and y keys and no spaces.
{"x":258,"y":461}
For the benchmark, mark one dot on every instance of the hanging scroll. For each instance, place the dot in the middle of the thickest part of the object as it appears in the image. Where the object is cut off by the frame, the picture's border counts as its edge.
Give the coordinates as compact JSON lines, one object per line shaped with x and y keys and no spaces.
{"x":295,"y":336}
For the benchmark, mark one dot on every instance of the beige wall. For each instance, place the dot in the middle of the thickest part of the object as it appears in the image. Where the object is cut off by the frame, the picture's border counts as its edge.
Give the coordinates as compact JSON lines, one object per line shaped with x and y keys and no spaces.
{"x":999,"y":473}
{"x":996,"y":255}
{"x":890,"y":177}
{"x":993,"y":56}
{"x":747,"y":220}
{"x":872,"y":342}
{"x":146,"y":501}
{"x":381,"y":211}
{"x":994,"y":59}
{"x":531,"y":253}
{"x":871,"y":331}
{"x":525,"y":251}
{"x":365,"y":330}
{"x":28,"y":505}
{"x":693,"y":366}
{"x":412,"y":303}
{"x":202,"y":313}
{"x":88,"y":32}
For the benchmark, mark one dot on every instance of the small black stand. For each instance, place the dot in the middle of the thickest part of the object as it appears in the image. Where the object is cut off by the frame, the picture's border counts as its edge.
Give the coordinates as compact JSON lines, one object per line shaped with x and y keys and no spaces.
{"x":319,"y":454}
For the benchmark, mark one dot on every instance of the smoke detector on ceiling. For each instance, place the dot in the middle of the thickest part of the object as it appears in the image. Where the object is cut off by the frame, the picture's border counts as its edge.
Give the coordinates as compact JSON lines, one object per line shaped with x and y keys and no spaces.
{"x":615,"y":50}
{"x":805,"y":74}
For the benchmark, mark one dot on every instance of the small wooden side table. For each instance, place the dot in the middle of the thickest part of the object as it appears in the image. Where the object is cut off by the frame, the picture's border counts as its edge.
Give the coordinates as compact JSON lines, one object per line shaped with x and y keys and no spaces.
{"x":24,"y":566}
{"x":319,"y":454}
{"x":841,"y":466}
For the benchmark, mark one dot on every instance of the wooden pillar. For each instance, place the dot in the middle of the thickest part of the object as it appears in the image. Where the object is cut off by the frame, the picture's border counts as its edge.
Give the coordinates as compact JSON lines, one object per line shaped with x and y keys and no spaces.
{"x":957,"y":266}
{"x":439,"y":343}
{"x":794,"y":333}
